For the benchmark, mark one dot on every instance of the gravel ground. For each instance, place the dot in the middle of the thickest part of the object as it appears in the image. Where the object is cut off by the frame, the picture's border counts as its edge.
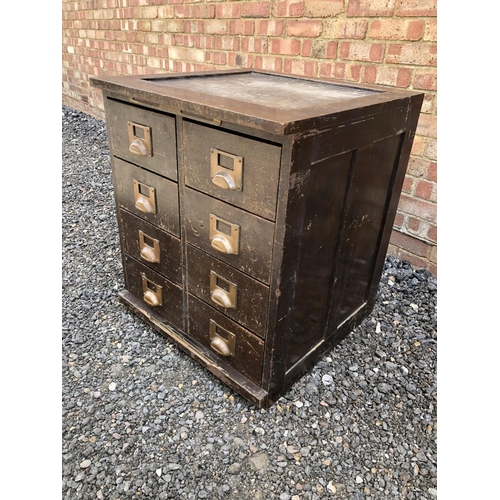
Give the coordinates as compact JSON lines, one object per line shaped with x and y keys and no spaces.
{"x":143,"y":420}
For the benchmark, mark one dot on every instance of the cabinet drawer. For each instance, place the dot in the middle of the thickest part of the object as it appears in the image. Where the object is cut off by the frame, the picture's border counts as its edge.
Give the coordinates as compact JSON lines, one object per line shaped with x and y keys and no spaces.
{"x":238,"y":238}
{"x":236,"y":169}
{"x":235,"y":345}
{"x":232,"y":292}
{"x":154,"y":290}
{"x":143,"y":137}
{"x":150,"y":245}
{"x":147,"y":195}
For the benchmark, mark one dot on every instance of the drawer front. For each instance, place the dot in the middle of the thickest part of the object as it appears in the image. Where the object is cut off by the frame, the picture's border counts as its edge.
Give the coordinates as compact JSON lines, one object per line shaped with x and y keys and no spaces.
{"x":235,"y":345}
{"x":154,"y":290}
{"x":150,"y":245}
{"x":236,"y":169}
{"x":147,"y":195}
{"x":238,"y":238}
{"x":143,"y":137}
{"x":231,"y":292}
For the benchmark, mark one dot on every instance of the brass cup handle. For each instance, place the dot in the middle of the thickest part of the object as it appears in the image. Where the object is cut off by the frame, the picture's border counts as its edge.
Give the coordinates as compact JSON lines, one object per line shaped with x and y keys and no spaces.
{"x":151,"y":298}
{"x":148,"y":253}
{"x":221,"y":298}
{"x":220,"y":346}
{"x":224,"y":180}
{"x":222,"y":244}
{"x":138,"y":147}
{"x":143,"y":204}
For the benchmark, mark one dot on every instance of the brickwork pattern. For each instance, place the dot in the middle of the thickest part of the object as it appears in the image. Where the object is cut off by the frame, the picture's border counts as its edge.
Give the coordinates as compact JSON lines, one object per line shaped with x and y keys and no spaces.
{"x":385,"y":42}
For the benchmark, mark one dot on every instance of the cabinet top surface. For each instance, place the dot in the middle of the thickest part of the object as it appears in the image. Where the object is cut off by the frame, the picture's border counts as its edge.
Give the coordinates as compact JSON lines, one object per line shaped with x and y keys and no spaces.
{"x":272,"y":102}
{"x":275,"y":92}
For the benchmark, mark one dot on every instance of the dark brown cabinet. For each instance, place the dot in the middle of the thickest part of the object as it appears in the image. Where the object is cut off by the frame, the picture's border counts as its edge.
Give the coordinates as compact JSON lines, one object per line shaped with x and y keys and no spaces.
{"x":255,"y":211}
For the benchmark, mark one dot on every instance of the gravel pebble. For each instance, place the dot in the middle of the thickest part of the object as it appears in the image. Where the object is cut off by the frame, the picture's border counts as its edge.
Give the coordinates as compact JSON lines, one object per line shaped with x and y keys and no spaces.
{"x":374,"y":419}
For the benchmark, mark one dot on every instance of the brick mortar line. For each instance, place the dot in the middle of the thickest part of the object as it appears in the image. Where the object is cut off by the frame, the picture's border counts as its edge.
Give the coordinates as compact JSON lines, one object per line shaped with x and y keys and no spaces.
{"x":420,"y":218}
{"x":419,"y":238}
{"x":269,"y":37}
{"x":416,"y":217}
{"x":338,"y":58}
{"x":271,"y":17}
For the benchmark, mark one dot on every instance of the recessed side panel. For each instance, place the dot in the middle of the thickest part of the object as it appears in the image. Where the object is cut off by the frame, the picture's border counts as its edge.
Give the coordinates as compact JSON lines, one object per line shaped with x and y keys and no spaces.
{"x":362,"y":225}
{"x":324,"y":190}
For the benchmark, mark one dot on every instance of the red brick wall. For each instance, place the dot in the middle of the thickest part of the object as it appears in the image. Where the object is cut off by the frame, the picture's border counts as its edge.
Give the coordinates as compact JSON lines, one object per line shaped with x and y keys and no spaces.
{"x":386,"y":42}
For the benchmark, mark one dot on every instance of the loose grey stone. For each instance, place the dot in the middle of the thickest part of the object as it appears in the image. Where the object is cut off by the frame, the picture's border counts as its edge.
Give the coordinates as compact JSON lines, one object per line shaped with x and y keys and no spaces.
{"x":173,"y":466}
{"x":259,"y":461}
{"x":383,"y":387}
{"x":311,"y":388}
{"x":234,"y":468}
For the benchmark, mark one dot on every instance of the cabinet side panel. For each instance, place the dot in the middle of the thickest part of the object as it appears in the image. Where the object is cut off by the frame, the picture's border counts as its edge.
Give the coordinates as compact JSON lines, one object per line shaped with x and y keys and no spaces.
{"x":366,"y":206}
{"x":324,"y":189}
{"x":341,"y":183}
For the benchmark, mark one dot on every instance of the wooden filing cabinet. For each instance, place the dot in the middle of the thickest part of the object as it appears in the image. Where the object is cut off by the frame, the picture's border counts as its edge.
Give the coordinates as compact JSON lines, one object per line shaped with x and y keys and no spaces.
{"x":255,"y":211}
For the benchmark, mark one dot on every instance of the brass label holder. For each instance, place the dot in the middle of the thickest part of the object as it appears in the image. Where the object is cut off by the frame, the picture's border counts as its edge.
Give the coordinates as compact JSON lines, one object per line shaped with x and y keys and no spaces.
{"x":144,"y":197}
{"x":222,"y":344}
{"x":152,"y":293}
{"x":228,"y":176}
{"x":224,"y":235}
{"x":139,"y":138}
{"x":222,"y":292}
{"x":149,"y":252}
